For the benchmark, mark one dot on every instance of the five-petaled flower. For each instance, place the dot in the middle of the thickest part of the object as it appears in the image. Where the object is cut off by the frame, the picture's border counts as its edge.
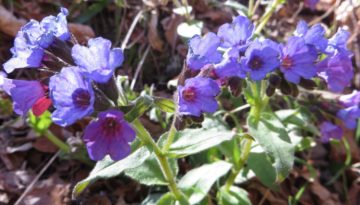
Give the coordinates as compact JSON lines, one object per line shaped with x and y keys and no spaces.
{"x":110,"y":134}
{"x":98,"y":61}
{"x":298,"y":60}
{"x":72,"y":95}
{"x":197,"y":96}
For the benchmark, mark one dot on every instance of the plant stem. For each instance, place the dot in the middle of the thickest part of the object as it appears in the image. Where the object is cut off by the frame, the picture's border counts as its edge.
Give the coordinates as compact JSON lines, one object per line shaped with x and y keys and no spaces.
{"x":265,"y":18}
{"x":56,"y":141}
{"x":250,"y":7}
{"x":245,"y":150}
{"x":171,"y":136}
{"x":145,"y":136}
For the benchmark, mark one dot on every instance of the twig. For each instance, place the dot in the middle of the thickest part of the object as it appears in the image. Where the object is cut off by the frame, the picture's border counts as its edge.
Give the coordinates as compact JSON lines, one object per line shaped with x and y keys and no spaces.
{"x":31,"y":185}
{"x":139,"y":67}
{"x":131,"y":29}
{"x":326,"y":14}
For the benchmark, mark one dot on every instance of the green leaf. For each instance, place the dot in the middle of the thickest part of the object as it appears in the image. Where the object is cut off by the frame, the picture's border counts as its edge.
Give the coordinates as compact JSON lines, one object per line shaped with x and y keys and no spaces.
{"x":192,"y":141}
{"x":263,"y":169}
{"x":107,"y":168}
{"x":235,"y":196}
{"x":40,"y":124}
{"x":164,"y":104}
{"x":142,"y":104}
{"x":271,"y":134}
{"x":152,"y":199}
{"x":150,"y":173}
{"x":197,"y":182}
{"x":166,"y":199}
{"x":299,"y":118}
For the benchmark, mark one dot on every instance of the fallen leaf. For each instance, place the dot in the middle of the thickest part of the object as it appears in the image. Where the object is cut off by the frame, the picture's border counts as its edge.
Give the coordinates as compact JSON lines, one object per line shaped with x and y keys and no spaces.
{"x":153,"y":35}
{"x":9,"y":24}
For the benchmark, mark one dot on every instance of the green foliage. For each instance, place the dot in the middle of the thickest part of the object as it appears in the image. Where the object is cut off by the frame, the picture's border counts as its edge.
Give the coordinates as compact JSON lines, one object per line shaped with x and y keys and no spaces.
{"x":164,"y":104}
{"x":272,"y":136}
{"x":235,"y":196}
{"x":107,"y":168}
{"x":142,"y":104}
{"x":40,"y":124}
{"x":192,"y":141}
{"x":150,"y":173}
{"x":197,"y":182}
{"x":93,"y":10}
{"x":261,"y":165}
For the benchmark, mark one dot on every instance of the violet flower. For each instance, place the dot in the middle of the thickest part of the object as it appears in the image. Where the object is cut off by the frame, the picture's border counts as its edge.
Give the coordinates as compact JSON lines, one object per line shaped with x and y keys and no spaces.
{"x":330,"y":131}
{"x":229,"y":67}
{"x":298,"y":60}
{"x":237,"y":35}
{"x":337,"y":43}
{"x":314,"y":35}
{"x":337,"y":71}
{"x":97,"y":61}
{"x":72,"y":95}
{"x":110,"y":134}
{"x":349,"y":116}
{"x":203,"y":51}
{"x":261,"y":58}
{"x":197,"y":96}
{"x":35,"y":36}
{"x":25,"y":95}
{"x":352,"y":99}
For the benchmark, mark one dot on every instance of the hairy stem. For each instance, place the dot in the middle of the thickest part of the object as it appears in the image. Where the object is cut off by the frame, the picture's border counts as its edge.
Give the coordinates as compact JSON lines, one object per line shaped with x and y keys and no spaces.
{"x":56,"y":141}
{"x":145,"y":136}
{"x":245,"y":150}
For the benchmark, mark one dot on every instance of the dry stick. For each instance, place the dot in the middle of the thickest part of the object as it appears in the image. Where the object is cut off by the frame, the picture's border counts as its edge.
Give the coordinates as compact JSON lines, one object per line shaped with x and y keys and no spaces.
{"x":139,"y":67}
{"x":131,"y":29}
{"x":326,"y":14}
{"x":31,"y":185}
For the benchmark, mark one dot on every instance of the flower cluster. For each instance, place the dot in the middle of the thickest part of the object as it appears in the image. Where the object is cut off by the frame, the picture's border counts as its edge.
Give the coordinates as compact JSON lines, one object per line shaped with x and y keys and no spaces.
{"x":73,"y":90}
{"x":234,"y":52}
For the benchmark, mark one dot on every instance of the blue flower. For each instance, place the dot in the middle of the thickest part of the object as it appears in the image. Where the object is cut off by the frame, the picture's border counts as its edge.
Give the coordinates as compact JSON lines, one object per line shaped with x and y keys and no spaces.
{"x":197,"y":96}
{"x":349,"y":116}
{"x":337,"y":71}
{"x":298,"y":60}
{"x":98,"y":61}
{"x":110,"y":134}
{"x":330,"y":131}
{"x":338,"y":43}
{"x":352,"y":99}
{"x":261,"y":58}
{"x":203,"y":51}
{"x":229,"y":67}
{"x":25,"y":94}
{"x":33,"y":37}
{"x":72,"y":95}
{"x":237,"y":35}
{"x":314,"y":36}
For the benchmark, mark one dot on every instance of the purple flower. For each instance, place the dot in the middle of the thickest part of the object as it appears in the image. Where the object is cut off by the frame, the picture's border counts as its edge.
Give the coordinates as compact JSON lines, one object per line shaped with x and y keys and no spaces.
{"x":298,"y":60}
{"x":229,"y":67}
{"x":261,"y":58}
{"x":314,"y":36}
{"x":349,"y":116}
{"x":73,"y":97}
{"x":311,"y":3}
{"x":33,"y":37}
{"x":337,"y":71}
{"x":98,"y":61}
{"x":236,"y":35}
{"x":337,"y":43}
{"x":25,"y":94}
{"x":110,"y":134}
{"x":197,"y":96}
{"x":330,"y":131}
{"x":203,"y":51}
{"x":352,"y":99}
